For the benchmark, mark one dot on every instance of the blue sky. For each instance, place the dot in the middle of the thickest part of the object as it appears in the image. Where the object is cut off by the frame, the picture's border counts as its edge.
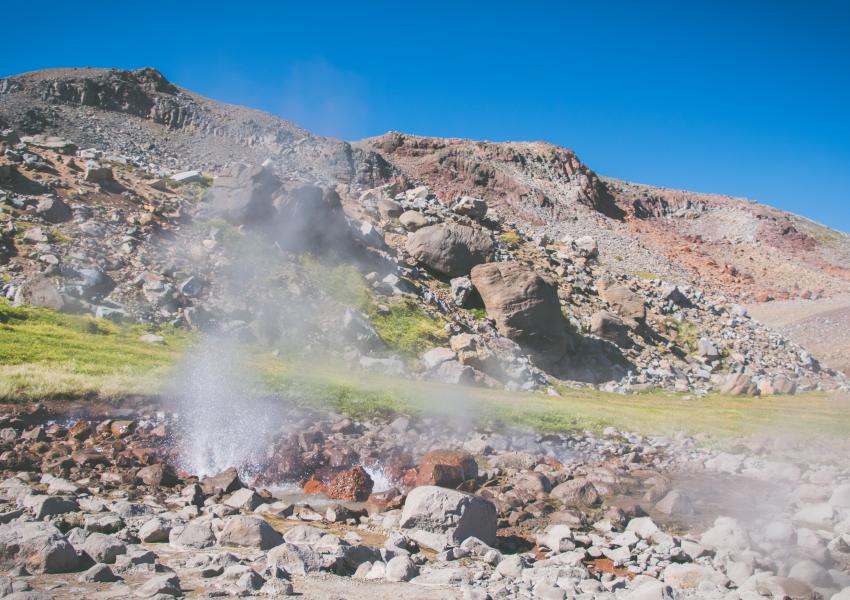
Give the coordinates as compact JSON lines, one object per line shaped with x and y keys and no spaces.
{"x":744,"y":98}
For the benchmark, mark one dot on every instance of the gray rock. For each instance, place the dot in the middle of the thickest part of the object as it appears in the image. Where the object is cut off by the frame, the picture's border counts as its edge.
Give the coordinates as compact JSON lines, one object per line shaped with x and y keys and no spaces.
{"x":196,"y":534}
{"x":413,"y":220}
{"x":475,"y":208}
{"x":251,"y":532}
{"x":461,"y":290}
{"x":155,"y":530}
{"x":449,"y":516}
{"x":104,"y":548}
{"x":400,"y":568}
{"x":161,"y":585}
{"x":244,"y":499}
{"x":99,"y":573}
{"x":103,"y":523}
{"x":48,"y":506}
{"x":53,"y":210}
{"x":39,"y":545}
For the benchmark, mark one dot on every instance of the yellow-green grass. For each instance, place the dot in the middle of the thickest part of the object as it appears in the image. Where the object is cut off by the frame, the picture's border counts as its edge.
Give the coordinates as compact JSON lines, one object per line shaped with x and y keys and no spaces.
{"x":805,"y":416}
{"x":45,"y":355}
{"x":48,"y":355}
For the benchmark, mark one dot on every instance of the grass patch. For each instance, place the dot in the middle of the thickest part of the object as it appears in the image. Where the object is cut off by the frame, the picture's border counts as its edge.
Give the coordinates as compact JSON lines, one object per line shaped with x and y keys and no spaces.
{"x":407,"y":328}
{"x":45,"y":355}
{"x":342,"y":282}
{"x":646,"y":275}
{"x":684,"y":333}
{"x":478,"y":313}
{"x":809,"y":416}
{"x":510,"y":237}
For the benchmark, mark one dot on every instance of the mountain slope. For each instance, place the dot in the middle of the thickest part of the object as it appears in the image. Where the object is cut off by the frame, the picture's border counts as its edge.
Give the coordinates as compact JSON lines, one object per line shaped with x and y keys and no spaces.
{"x":726,"y":245}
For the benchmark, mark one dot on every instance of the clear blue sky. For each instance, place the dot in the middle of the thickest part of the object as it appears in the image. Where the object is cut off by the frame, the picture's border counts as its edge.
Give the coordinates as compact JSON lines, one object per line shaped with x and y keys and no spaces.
{"x":745,"y":98}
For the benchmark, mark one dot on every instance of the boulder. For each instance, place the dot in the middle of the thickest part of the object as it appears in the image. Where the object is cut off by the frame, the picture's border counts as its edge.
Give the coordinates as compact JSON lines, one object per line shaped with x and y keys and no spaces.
{"x":96,"y":173}
{"x":47,"y":506}
{"x":53,"y":210}
{"x":246,"y":499}
{"x":353,"y":485}
{"x":39,"y":546}
{"x":158,"y":475}
{"x":250,"y":532}
{"x":197,"y":534}
{"x":474,"y":208}
{"x":609,"y":326}
{"x":450,"y":249}
{"x":525,"y":307}
{"x":103,"y":548}
{"x":738,"y":384}
{"x":400,"y":568}
{"x":576,"y":492}
{"x":99,"y":573}
{"x":461,"y":290}
{"x":413,"y":220}
{"x":446,"y":468}
{"x":627,"y":304}
{"x":167,"y":584}
{"x":155,"y":530}
{"x":244,"y":195}
{"x":448,"y":516}
{"x":40,"y":291}
{"x":222,"y":483}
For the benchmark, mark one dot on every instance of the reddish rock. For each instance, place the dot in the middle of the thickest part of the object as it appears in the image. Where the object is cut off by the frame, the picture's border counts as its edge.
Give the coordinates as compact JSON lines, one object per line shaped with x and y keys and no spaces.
{"x":408,"y":478}
{"x":120,"y":429}
{"x":80,"y":431}
{"x":353,"y":485}
{"x":446,"y":468}
{"x":315,"y":486}
{"x":341,"y":457}
{"x":158,"y":475}
{"x":387,"y":500}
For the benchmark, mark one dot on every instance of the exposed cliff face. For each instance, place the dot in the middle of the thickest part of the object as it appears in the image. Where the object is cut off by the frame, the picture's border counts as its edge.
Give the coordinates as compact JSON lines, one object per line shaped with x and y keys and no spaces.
{"x":534,"y":180}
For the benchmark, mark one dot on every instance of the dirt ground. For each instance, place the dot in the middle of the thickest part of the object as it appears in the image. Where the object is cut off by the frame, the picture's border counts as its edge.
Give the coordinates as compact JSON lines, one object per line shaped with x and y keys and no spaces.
{"x":822,"y":326}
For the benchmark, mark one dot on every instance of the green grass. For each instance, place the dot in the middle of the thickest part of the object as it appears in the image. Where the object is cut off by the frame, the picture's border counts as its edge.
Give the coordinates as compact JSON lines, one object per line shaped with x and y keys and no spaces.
{"x":342,"y":282}
{"x":407,"y":328}
{"x":45,"y":355}
{"x":809,"y":416}
{"x":478,"y":313}
{"x":685,"y":333}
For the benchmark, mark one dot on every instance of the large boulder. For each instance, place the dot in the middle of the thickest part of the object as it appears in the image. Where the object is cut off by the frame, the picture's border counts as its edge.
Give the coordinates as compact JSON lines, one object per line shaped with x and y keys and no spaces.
{"x":525,"y":307}
{"x":40,"y":291}
{"x":53,"y":210}
{"x":609,"y":327}
{"x":310,"y":218}
{"x":251,"y":532}
{"x":38,"y":546}
{"x":446,"y":468}
{"x":627,"y":304}
{"x":450,"y":249}
{"x":244,"y":194}
{"x":439,"y":516}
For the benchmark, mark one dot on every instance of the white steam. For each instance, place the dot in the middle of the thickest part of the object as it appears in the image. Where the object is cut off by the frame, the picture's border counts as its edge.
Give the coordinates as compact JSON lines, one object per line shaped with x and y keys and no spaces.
{"x":221,"y":423}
